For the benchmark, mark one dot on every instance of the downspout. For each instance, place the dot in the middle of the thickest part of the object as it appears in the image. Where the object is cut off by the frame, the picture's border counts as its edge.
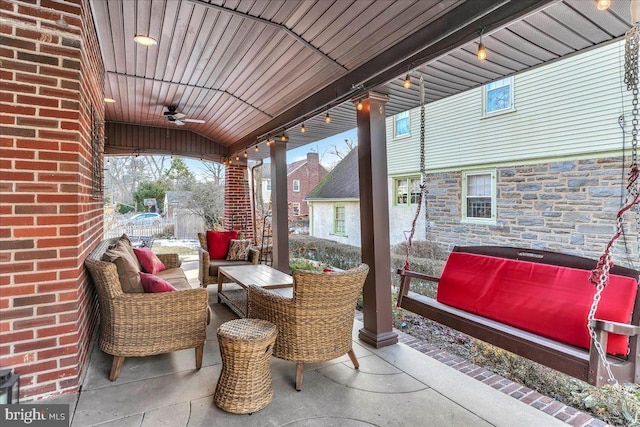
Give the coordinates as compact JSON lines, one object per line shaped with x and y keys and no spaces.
{"x":253,"y":202}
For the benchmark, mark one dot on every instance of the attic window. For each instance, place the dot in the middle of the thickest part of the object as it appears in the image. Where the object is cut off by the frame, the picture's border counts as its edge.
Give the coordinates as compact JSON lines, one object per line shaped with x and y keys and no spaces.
{"x":498,"y":97}
{"x":401,"y":124}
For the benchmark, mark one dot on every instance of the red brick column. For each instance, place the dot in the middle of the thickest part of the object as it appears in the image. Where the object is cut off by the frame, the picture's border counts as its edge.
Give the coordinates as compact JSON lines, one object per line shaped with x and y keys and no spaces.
{"x":237,"y":202}
{"x":52,"y":88}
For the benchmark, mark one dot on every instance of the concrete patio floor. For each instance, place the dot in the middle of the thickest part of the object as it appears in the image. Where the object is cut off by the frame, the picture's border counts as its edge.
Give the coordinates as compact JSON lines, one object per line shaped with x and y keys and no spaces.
{"x":395,"y":386}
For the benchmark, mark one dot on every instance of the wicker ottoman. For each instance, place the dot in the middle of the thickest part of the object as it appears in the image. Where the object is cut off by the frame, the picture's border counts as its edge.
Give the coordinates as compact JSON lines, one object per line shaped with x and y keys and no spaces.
{"x":245,"y":383}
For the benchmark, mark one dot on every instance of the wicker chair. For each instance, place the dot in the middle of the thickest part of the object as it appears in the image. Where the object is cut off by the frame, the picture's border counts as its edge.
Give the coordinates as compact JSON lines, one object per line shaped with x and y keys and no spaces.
{"x":145,"y":324}
{"x":208,"y":268}
{"x":316,"y":324}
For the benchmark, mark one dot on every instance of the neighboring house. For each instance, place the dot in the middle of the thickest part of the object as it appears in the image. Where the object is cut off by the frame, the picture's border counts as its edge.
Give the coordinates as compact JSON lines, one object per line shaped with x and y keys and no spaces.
{"x":334,"y":205}
{"x":541,"y":165}
{"x":302,"y":177}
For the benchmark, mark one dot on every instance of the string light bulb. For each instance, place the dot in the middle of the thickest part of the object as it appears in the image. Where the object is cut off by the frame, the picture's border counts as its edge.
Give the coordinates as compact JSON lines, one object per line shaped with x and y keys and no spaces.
{"x":407,"y":82}
{"x":302,"y":128}
{"x":482,"y":51}
{"x":246,"y":154}
{"x":237,"y":157}
{"x":327,"y":118}
{"x":268,"y":142}
{"x":603,"y":4}
{"x":256,"y":149}
{"x":359,"y":106}
{"x":230,"y":161}
{"x":283,"y":138}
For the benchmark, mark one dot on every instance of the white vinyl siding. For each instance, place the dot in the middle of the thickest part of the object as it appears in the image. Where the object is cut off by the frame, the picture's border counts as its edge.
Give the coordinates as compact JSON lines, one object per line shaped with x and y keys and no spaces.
{"x":566,"y":108}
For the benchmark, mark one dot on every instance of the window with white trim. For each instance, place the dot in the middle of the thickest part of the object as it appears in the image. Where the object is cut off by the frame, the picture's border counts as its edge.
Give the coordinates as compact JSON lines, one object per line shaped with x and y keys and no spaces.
{"x":407,"y":190}
{"x":339,"y":220}
{"x":296,"y":185}
{"x":479,"y":196}
{"x":401,"y":124}
{"x":295,"y":208}
{"x":498,"y":97}
{"x":268,"y":184}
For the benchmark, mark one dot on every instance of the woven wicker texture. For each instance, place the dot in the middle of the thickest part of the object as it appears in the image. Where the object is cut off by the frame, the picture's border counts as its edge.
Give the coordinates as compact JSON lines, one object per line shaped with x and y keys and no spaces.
{"x":145,"y":324}
{"x":204,"y":262}
{"x":316,"y":324}
{"x":245,"y":384}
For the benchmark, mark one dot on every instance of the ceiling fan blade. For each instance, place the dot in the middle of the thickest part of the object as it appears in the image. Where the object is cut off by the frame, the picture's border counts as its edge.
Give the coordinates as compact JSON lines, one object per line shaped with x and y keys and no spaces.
{"x":193,"y":120}
{"x":179,"y":116}
{"x":178,"y":123}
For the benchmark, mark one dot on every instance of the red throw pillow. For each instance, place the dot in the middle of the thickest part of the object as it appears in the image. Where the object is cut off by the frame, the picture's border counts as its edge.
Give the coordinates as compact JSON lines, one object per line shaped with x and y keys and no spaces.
{"x":149,"y":261}
{"x":153,"y":284}
{"x":218,"y":243}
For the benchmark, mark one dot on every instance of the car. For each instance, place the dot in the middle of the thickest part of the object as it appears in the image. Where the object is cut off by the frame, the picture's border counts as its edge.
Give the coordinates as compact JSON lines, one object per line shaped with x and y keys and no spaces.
{"x":147,"y":218}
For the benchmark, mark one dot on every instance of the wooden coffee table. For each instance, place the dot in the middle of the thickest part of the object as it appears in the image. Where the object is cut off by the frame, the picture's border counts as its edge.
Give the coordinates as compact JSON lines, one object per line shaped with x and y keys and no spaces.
{"x":234,"y":295}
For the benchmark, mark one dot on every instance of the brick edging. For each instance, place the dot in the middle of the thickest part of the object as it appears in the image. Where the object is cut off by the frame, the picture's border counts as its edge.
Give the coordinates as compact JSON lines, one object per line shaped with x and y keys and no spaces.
{"x":524,"y":394}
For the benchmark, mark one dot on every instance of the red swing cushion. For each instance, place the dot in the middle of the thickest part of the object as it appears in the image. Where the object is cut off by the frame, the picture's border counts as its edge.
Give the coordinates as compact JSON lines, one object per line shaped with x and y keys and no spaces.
{"x":548,"y":300}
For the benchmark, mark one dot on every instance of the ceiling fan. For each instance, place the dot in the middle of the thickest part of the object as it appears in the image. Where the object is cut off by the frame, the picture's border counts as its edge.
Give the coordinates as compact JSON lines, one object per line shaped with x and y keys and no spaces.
{"x":179,"y":119}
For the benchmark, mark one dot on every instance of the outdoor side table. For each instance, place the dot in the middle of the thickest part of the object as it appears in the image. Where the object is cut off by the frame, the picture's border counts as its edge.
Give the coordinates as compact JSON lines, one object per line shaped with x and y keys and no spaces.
{"x":245,"y":384}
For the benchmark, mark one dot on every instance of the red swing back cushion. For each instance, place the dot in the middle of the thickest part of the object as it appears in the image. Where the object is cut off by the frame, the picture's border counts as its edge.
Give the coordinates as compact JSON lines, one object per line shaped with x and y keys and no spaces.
{"x":547,"y":300}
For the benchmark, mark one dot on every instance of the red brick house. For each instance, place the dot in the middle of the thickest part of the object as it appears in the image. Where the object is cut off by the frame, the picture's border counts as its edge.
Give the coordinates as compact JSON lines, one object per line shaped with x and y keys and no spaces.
{"x":302,"y":177}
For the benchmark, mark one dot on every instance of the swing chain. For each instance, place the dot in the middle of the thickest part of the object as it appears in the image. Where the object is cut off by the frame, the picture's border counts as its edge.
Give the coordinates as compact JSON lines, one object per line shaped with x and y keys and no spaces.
{"x":632,"y":47}
{"x":632,"y":44}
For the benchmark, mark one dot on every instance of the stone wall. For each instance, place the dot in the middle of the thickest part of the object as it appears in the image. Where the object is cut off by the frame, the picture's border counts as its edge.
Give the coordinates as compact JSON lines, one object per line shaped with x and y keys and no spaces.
{"x":568,"y":206}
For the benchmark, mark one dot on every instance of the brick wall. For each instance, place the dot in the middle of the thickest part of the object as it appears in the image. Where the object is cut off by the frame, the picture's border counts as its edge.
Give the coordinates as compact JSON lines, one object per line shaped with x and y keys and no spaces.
{"x":567,"y":206}
{"x":309,"y":175}
{"x":237,"y":204}
{"x":51,"y":78}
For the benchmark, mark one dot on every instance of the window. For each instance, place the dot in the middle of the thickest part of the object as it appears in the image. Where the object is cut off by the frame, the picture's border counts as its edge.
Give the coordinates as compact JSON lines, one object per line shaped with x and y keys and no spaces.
{"x":268,"y":184}
{"x":296,"y":185}
{"x":401,"y":124}
{"x":339,"y":220}
{"x":407,"y":191}
{"x":498,"y":97}
{"x":478,"y":193}
{"x":295,"y":207}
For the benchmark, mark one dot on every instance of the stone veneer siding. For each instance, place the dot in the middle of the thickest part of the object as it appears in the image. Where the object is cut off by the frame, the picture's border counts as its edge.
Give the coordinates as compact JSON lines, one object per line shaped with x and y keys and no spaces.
{"x":52,"y":77}
{"x":568,"y":206}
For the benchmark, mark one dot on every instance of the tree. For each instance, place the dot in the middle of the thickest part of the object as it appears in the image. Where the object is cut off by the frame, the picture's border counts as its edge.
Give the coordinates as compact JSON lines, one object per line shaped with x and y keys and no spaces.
{"x":214,"y":172}
{"x":150,"y":190}
{"x":122,"y":175}
{"x":341,"y":153}
{"x":180,"y":176}
{"x":155,"y":165}
{"x":207,"y":201}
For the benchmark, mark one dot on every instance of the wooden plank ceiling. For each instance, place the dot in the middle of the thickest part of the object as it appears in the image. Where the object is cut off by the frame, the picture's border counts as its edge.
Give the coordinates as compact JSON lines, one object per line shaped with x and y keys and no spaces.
{"x":256,"y":68}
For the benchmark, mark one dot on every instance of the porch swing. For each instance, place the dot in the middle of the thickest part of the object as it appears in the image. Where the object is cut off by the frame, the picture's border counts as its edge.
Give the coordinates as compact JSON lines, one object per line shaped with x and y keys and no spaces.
{"x":573,"y":314}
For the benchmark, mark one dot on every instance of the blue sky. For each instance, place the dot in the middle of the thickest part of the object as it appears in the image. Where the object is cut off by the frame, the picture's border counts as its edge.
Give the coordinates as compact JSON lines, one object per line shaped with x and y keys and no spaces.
{"x":322,"y":147}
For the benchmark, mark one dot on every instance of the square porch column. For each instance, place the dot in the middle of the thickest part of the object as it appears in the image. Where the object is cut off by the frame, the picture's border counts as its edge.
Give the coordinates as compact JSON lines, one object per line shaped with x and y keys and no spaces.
{"x":279,"y":206}
{"x":374,"y":221}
